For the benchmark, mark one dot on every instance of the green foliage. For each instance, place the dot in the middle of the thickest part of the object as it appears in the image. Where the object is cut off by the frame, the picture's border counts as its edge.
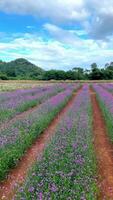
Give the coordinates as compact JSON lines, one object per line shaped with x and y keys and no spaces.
{"x":75,"y":74}
{"x":5,"y":114}
{"x":55,"y":74}
{"x":95,"y":72}
{"x":10,"y":155}
{"x":57,"y":175}
{"x":108,"y":118}
{"x":3,"y":76}
{"x":21,"y":69}
{"x":25,"y":106}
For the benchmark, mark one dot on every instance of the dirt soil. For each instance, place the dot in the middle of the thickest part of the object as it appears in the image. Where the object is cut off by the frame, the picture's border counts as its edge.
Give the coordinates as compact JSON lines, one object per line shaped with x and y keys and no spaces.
{"x":18,"y":175}
{"x":104,"y":151}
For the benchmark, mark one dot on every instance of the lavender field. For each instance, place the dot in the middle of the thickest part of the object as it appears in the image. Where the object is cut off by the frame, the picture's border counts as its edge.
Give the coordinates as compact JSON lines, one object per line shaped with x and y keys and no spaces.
{"x":52,"y":139}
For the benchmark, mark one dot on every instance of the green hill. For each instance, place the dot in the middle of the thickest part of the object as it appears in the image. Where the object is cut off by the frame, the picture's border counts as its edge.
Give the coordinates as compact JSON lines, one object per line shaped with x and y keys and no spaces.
{"x":20,"y":69}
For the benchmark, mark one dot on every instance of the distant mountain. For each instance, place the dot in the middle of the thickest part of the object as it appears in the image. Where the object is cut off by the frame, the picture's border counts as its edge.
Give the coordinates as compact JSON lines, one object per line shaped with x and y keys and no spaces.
{"x":21,"y":69}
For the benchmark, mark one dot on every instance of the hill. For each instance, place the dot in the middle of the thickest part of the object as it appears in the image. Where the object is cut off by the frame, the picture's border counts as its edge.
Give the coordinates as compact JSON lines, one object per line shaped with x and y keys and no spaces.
{"x":20,"y":69}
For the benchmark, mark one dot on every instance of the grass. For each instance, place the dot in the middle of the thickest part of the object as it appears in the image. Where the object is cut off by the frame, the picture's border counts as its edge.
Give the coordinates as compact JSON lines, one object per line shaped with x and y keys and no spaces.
{"x":68,"y":167}
{"x":10,"y":154}
{"x":105,"y":101}
{"x":27,"y":105}
{"x":5,"y":114}
{"x":24,"y":106}
{"x":107,"y":117}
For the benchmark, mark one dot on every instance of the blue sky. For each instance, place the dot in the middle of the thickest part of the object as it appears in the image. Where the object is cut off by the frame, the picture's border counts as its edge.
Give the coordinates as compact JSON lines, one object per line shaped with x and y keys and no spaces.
{"x":57,"y":34}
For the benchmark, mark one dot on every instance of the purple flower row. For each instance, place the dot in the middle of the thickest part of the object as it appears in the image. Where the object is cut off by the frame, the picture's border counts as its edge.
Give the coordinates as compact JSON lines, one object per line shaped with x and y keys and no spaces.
{"x":10,"y":135}
{"x":67,"y":169}
{"x":108,"y":86}
{"x":105,"y":96}
{"x":13,"y":99}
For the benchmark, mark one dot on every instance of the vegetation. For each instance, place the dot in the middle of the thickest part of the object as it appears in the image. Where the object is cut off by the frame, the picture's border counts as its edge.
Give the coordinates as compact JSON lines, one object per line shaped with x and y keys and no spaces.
{"x":68,"y":167}
{"x":21,"y":69}
{"x":19,"y":136}
{"x":105,"y":99}
{"x":13,"y":103}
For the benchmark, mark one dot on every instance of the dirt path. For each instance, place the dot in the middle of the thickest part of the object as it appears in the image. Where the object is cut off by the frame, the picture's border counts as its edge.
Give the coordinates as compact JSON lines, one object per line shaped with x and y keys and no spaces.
{"x":17,"y":175}
{"x":104,"y":151}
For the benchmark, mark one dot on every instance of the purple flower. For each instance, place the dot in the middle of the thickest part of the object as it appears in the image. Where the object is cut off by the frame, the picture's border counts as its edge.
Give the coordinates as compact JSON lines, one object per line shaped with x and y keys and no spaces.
{"x":74,"y":145}
{"x":40,"y":196}
{"x":53,"y":188}
{"x":31,"y":189}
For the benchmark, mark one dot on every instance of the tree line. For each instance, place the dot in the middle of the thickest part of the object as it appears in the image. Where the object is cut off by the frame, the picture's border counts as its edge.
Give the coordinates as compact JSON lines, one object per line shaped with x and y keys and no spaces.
{"x":21,"y":69}
{"x":78,"y":73}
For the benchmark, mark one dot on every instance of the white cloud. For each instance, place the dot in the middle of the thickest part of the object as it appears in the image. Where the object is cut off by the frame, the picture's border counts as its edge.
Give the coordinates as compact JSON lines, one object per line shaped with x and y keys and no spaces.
{"x":57,"y":10}
{"x":96,"y":16}
{"x":100,"y":24}
{"x":68,"y":37}
{"x":65,"y":47}
{"x":54,"y":54}
{"x":30,"y":27}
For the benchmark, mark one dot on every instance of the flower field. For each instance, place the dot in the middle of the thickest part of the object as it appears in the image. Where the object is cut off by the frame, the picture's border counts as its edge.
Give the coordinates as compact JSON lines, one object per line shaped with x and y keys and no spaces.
{"x":77,"y":122}
{"x":105,"y":99}
{"x":12,"y":103}
{"x":72,"y":172}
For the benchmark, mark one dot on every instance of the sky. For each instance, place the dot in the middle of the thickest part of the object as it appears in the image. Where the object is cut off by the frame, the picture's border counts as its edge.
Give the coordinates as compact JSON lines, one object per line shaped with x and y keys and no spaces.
{"x":60,"y":34}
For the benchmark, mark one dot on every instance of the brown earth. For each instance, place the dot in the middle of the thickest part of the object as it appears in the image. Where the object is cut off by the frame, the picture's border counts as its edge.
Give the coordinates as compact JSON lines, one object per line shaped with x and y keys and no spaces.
{"x":104,"y":151}
{"x":18,"y":175}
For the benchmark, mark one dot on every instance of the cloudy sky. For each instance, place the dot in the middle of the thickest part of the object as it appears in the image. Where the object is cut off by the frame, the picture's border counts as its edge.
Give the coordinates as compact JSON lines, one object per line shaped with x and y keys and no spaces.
{"x":58,"y":34}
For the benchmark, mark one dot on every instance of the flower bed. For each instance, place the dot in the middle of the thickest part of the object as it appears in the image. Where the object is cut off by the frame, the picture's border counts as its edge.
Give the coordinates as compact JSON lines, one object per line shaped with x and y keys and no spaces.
{"x":67,"y":169}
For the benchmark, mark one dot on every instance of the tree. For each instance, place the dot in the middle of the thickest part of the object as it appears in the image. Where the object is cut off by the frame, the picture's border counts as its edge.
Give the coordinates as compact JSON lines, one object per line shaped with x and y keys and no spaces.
{"x":55,"y":74}
{"x":78,"y":73}
{"x":108,"y":71}
{"x":96,"y":73}
{"x":3,"y":76}
{"x":70,"y":75}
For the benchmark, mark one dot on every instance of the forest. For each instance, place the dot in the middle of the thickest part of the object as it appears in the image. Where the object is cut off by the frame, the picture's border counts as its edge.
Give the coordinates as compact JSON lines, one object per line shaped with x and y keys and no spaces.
{"x":21,"y":69}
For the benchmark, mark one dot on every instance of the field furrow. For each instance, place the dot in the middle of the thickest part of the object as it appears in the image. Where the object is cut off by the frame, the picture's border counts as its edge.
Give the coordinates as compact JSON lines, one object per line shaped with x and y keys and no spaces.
{"x":67,"y":169}
{"x":15,"y":139}
{"x":59,"y":148}
{"x":104,"y":151}
{"x":18,"y":174}
{"x":105,"y":100}
{"x":30,"y":108}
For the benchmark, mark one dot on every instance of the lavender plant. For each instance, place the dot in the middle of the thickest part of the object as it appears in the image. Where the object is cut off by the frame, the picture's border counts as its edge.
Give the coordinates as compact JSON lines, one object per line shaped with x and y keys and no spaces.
{"x":108,"y":86}
{"x":19,"y":136}
{"x":67,"y":169}
{"x":105,"y":100}
{"x":12,"y":103}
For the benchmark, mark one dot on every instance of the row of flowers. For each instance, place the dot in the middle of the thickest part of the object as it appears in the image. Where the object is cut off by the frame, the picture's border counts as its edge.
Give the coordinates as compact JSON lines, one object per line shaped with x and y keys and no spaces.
{"x":14,"y":98}
{"x":105,"y":99}
{"x":12,"y":103}
{"x":107,"y":86}
{"x":67,"y":169}
{"x":20,"y":135}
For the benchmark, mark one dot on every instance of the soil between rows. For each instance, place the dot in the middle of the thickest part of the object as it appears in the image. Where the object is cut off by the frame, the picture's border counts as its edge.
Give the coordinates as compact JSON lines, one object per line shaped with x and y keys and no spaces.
{"x":18,"y":175}
{"x":104,"y":151}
